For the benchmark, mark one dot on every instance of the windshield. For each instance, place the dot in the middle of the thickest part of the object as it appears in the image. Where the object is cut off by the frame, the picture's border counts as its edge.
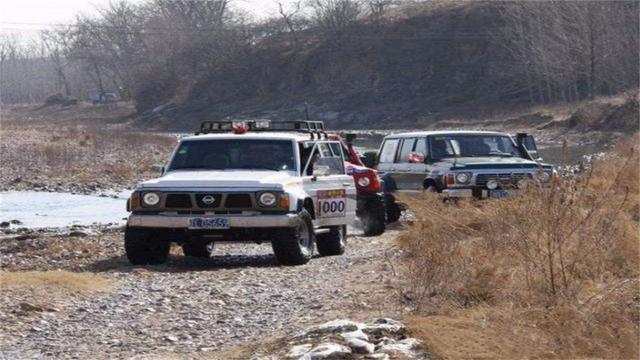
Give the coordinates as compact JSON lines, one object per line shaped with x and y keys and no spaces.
{"x":234,"y":154}
{"x":472,"y":146}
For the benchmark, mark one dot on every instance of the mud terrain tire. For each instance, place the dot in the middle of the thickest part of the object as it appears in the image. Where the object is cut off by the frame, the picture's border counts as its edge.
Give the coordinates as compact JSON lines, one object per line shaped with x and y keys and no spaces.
{"x":373,"y":218}
{"x":143,"y":248}
{"x":294,"y":246}
{"x":393,"y":210}
{"x":333,"y":242}
{"x":197,"y":249}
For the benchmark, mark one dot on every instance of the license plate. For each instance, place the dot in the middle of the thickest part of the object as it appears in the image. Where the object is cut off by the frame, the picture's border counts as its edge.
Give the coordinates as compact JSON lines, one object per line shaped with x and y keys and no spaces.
{"x":499,"y":193}
{"x":209,"y":224}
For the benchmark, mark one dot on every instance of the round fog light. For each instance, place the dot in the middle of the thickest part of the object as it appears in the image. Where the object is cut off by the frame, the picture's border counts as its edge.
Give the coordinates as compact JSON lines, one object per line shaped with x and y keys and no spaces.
{"x":268,"y":199}
{"x":364,"y":181}
{"x":151,"y":199}
{"x":492,"y":184}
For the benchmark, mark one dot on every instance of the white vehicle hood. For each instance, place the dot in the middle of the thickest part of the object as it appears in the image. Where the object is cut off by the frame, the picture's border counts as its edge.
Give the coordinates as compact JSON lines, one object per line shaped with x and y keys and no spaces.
{"x":221,"y":179}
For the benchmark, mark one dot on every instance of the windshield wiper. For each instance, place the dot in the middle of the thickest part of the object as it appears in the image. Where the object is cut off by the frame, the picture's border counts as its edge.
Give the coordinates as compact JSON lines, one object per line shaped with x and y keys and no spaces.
{"x":259,"y":167}
{"x":499,"y":153}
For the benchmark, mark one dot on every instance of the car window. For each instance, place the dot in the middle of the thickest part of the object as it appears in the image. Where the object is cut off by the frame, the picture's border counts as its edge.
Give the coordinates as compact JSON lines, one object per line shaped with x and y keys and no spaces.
{"x":406,"y":149}
{"x":530,"y":143}
{"x":218,"y":154}
{"x":325,"y":151}
{"x":442,"y":147}
{"x":335,"y":149}
{"x":322,"y":155}
{"x":421,"y":146}
{"x":388,"y":153}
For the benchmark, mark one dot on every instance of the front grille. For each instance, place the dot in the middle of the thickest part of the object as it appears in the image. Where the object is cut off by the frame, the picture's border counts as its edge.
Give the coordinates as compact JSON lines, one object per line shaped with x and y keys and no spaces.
{"x":238,"y":201}
{"x":178,"y":201}
{"x":504,"y":179}
{"x":217,"y":200}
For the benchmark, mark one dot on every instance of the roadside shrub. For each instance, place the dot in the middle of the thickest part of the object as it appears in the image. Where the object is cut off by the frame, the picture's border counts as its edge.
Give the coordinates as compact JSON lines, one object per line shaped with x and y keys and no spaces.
{"x":570,"y":251}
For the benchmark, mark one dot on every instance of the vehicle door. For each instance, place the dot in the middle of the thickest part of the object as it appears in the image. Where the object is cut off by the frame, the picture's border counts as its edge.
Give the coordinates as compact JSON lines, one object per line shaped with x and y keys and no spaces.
{"x":387,"y":158}
{"x":531,"y":146}
{"x":332,"y":190}
{"x":402,"y":174}
{"x":418,"y":168}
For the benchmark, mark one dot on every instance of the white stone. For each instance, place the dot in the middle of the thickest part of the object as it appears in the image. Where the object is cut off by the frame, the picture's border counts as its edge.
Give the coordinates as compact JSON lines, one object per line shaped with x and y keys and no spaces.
{"x":385,"y":326}
{"x":299,"y":350}
{"x":329,"y":351}
{"x":377,"y":356}
{"x":406,"y":346}
{"x":359,"y":346}
{"x":358,"y":334}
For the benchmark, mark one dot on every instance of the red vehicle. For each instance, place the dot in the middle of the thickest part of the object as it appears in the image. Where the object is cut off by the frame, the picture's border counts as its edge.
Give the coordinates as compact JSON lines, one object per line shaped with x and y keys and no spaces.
{"x":371,"y":209}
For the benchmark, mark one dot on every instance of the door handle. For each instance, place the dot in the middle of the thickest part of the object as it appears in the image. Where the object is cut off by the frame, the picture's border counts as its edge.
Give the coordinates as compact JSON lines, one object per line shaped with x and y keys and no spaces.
{"x":346,"y":184}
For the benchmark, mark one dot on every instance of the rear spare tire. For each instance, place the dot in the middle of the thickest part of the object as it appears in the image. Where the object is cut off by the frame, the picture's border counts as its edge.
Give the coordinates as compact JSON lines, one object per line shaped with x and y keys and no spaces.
{"x":143,"y":248}
{"x":294,"y":246}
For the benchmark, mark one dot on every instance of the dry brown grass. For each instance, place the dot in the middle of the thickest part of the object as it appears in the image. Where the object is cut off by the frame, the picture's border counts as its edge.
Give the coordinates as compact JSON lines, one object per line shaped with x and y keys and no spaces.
{"x":80,"y":155}
{"x":559,"y":262}
{"x":53,"y":281}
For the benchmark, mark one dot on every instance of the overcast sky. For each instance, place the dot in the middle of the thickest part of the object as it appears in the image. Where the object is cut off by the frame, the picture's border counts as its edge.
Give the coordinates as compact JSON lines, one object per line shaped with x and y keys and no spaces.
{"x":30,"y":15}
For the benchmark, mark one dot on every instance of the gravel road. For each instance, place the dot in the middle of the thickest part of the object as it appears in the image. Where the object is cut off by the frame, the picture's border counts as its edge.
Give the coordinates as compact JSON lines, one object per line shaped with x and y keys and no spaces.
{"x":188,"y":306}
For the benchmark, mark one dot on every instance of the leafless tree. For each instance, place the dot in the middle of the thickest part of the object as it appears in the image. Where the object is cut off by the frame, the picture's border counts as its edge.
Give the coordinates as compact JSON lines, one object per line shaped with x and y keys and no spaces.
{"x":290,"y":18}
{"x":336,"y":16}
{"x":57,"y":45}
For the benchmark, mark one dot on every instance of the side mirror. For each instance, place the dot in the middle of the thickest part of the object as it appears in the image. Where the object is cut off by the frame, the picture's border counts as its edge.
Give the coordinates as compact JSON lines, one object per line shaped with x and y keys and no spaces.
{"x":321,"y":170}
{"x":416,"y":158}
{"x":370,"y":158}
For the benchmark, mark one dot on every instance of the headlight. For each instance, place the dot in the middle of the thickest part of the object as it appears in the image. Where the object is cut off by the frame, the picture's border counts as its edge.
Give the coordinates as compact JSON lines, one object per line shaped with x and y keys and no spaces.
{"x":267,"y":199}
{"x":151,"y":199}
{"x":492,"y":184}
{"x":463,"y":177}
{"x":364,"y":181}
{"x":543,"y":176}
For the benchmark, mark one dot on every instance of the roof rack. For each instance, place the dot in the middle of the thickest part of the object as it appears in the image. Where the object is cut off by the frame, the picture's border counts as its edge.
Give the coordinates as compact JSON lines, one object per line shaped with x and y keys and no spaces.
{"x":300,"y":126}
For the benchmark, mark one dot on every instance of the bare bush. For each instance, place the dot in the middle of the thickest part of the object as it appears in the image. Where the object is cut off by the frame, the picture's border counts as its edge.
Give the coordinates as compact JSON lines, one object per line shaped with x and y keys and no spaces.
{"x":570,"y":250}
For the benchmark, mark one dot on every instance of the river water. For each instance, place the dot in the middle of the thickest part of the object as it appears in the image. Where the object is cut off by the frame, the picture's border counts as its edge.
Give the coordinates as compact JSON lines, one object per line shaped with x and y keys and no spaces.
{"x":48,"y":209}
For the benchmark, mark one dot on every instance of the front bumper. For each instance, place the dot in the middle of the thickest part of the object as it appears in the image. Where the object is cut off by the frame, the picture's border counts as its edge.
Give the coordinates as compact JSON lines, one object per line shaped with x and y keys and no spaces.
{"x":477,"y":193}
{"x":182,"y":221}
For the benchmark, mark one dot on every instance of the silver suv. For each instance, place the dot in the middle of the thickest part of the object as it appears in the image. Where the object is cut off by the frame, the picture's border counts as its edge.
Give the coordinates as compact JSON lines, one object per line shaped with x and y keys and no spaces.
{"x":456,"y":164}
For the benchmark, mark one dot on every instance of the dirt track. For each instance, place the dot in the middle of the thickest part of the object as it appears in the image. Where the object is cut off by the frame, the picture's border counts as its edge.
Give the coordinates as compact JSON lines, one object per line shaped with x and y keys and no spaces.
{"x":240,"y":295}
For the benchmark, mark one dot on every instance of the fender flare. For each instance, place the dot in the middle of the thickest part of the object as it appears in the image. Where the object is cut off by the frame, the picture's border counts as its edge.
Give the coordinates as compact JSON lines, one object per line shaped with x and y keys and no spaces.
{"x":430,"y":182}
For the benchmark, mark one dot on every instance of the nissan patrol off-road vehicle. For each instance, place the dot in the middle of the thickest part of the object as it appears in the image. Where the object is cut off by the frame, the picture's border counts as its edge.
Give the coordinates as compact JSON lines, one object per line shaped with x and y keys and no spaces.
{"x":480,"y":164}
{"x":261,"y":181}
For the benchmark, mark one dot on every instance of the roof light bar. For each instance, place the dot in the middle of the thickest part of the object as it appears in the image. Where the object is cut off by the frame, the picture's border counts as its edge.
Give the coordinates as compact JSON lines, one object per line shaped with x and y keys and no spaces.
{"x":301,"y":126}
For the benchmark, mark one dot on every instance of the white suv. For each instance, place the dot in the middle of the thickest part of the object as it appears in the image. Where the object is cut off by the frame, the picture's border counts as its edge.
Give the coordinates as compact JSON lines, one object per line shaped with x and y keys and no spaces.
{"x":282,"y":182}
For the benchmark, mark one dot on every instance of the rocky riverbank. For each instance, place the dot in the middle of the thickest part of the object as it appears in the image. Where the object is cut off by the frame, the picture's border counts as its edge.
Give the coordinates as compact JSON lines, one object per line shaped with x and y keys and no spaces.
{"x":240,"y":296}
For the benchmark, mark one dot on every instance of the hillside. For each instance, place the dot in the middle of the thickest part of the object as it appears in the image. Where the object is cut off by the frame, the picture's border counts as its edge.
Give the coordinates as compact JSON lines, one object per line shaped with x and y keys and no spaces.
{"x":422,"y":64}
{"x":354,"y":63}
